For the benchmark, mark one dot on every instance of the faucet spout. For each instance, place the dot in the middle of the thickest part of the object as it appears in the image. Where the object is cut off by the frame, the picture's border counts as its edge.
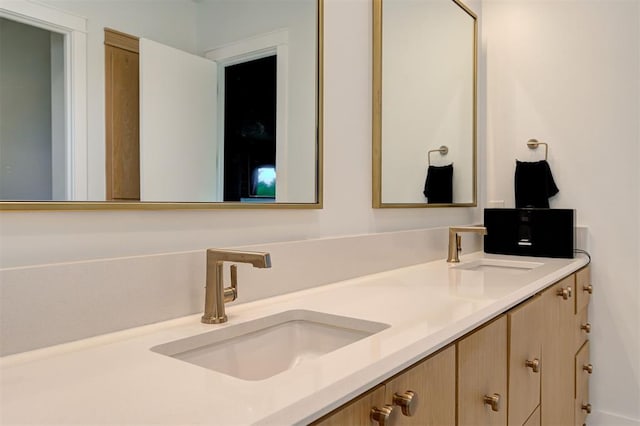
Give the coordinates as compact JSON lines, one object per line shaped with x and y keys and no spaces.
{"x":216,"y":295}
{"x":455,"y":240}
{"x":255,"y":258}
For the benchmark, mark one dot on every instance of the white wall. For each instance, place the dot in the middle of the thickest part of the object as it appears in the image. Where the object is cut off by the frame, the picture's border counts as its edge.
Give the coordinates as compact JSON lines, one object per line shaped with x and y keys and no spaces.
{"x":567,"y":73}
{"x":29,"y":238}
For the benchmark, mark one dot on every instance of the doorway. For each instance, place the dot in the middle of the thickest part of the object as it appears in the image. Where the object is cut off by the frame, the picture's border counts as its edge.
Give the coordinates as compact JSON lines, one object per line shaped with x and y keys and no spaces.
{"x":32,"y":108}
{"x":250,"y":90}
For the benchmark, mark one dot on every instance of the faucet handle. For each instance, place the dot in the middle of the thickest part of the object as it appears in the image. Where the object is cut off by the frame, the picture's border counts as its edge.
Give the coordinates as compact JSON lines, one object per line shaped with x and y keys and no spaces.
{"x":231,"y":293}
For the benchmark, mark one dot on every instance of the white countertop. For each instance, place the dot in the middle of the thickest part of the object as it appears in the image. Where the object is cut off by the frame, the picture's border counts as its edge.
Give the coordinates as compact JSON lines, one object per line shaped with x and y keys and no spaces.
{"x":117,"y":379}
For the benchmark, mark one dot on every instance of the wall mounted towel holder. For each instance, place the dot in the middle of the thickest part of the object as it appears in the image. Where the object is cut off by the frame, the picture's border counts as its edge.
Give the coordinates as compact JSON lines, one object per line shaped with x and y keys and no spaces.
{"x":443,"y":150}
{"x":534,"y":143}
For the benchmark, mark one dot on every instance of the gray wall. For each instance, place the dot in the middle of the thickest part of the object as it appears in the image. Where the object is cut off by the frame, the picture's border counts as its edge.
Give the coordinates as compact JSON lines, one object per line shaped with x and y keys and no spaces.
{"x":25,"y":112}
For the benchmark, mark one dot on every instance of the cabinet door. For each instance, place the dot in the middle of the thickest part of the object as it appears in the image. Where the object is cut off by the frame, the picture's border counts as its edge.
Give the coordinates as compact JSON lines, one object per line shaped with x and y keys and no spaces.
{"x":583,"y":288}
{"x":356,"y":412}
{"x":583,"y":371}
{"x":525,"y":323}
{"x":558,"y":352}
{"x":122,"y":109}
{"x":534,"y":420}
{"x":482,"y":374}
{"x":581,"y":328}
{"x":426,"y":394}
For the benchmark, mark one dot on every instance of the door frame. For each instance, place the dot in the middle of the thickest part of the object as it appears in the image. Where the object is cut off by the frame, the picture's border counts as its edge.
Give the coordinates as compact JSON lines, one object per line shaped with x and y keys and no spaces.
{"x":74,"y":31}
{"x":249,"y":49}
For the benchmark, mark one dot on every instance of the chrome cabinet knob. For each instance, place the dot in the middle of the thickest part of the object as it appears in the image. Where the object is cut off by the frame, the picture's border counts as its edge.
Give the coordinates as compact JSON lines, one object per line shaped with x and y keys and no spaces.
{"x":564,"y":292}
{"x":534,"y":365}
{"x":588,"y":288}
{"x":407,"y":401}
{"x":586,"y":327}
{"x":588,"y":368}
{"x":587,"y":408}
{"x":384,"y":416}
{"x":493,"y":401}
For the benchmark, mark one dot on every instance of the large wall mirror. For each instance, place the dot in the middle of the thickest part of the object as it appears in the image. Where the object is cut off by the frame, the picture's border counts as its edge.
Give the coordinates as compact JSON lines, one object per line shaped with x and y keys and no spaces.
{"x":424,"y":118}
{"x":140,"y":104}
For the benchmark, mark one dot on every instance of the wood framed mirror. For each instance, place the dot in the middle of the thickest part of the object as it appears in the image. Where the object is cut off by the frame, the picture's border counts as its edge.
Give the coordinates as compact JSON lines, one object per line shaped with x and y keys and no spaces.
{"x":424,"y":104}
{"x":279,"y":162}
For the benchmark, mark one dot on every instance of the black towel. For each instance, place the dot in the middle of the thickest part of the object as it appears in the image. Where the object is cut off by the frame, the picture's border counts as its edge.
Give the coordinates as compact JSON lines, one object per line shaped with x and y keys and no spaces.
{"x":438,"y":187}
{"x":534,"y":184}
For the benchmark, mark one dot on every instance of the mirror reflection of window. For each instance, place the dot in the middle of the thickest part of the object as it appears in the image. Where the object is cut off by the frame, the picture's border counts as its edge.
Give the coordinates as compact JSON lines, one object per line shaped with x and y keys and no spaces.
{"x":263,"y":183}
{"x":32,"y":108}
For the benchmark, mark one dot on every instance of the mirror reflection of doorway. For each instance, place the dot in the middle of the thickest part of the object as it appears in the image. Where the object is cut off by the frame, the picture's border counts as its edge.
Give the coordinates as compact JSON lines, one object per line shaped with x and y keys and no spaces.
{"x":250,"y":130}
{"x":33,"y":153}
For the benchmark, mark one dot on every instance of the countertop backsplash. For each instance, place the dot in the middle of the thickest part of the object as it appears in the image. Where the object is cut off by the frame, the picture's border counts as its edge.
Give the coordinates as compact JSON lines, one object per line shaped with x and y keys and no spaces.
{"x":50,"y":304}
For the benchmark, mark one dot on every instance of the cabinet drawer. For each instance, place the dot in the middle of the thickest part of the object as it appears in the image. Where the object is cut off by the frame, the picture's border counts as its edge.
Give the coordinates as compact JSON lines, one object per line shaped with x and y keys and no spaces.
{"x":534,"y":420}
{"x":583,"y":288}
{"x":583,"y":369}
{"x":432,"y":384}
{"x":356,"y":412}
{"x":482,"y":376}
{"x":559,"y":351}
{"x":525,"y":324}
{"x":582,"y":329}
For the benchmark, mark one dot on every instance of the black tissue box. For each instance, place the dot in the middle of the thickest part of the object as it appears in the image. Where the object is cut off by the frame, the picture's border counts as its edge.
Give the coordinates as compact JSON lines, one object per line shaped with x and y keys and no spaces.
{"x":530,"y":232}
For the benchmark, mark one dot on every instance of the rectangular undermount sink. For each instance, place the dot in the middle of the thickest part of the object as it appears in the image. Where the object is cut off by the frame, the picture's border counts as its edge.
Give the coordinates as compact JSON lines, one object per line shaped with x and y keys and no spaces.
{"x":499,"y":265}
{"x":259,"y":349}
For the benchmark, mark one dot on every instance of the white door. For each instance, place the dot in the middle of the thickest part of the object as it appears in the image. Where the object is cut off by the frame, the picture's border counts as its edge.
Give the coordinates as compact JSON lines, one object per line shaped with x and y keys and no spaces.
{"x":178,"y":148}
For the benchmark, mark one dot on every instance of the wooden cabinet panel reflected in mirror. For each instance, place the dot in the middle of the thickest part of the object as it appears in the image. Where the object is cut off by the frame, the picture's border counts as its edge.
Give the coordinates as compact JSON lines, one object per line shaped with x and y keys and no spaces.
{"x":160,"y":104}
{"x":424,"y":100}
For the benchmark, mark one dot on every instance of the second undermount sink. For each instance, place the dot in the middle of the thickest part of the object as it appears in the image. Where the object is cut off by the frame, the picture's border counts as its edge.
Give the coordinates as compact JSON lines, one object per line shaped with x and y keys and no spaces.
{"x":499,"y":265}
{"x":259,"y":349}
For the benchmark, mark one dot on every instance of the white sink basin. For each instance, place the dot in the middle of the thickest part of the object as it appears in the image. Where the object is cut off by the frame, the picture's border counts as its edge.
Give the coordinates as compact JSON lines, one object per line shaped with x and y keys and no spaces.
{"x":259,"y":349}
{"x":499,"y":265}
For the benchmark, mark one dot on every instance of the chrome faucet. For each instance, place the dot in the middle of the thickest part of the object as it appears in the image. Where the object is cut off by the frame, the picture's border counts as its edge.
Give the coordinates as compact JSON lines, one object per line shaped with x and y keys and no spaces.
{"x":455,"y":240}
{"x":216,"y":295}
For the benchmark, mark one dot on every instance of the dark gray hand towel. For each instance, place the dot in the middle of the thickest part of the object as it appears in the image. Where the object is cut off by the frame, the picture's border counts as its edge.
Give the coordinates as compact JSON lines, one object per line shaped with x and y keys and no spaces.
{"x":438,"y":187}
{"x":534,"y":184}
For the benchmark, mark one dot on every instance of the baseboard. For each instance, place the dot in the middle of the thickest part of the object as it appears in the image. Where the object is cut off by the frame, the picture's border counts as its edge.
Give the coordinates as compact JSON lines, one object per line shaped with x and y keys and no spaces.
{"x":602,"y":418}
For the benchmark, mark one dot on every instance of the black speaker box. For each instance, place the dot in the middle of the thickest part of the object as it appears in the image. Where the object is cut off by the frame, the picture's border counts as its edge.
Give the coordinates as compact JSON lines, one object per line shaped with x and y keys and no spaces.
{"x":530,"y":232}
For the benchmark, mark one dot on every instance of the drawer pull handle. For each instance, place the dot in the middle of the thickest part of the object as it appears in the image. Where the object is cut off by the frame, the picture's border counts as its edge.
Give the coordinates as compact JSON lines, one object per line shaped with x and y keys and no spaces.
{"x":588,"y":368}
{"x":588,"y":288}
{"x":587,"y":408}
{"x":493,"y":401}
{"x":565,"y":293}
{"x":534,"y":365}
{"x":407,"y":401}
{"x":586,"y":327}
{"x":384,"y":416}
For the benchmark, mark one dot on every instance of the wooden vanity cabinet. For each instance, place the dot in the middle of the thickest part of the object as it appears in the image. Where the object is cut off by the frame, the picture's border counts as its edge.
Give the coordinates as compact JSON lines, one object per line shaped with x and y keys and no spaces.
{"x":525,"y":323}
{"x":356,"y":412}
{"x":534,"y":419}
{"x":529,"y":366}
{"x":582,"y":330}
{"x":482,"y":375}
{"x":584,"y":288}
{"x":583,"y":369}
{"x":565,"y":332}
{"x":424,"y":394}
{"x":433,"y":382}
{"x":558,"y":353}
